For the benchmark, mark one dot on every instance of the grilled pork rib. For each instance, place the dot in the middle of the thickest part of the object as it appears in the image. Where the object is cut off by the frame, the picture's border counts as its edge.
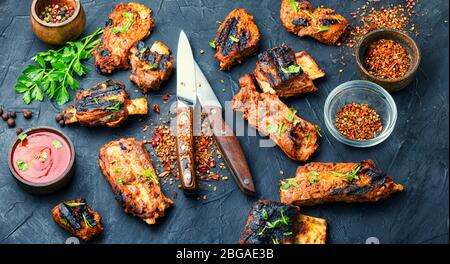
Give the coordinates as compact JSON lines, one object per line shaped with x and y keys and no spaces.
{"x":318,"y":182}
{"x":237,"y":38}
{"x":323,"y":24}
{"x":126,"y":25}
{"x":150,"y":66}
{"x":127,"y":167}
{"x":106,"y":103}
{"x":77,"y":218}
{"x":283,"y":72}
{"x":271,"y":222}
{"x":267,"y":113}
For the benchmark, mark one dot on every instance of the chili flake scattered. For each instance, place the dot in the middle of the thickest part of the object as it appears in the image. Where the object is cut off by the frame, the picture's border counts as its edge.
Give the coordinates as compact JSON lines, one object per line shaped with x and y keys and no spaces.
{"x":387,"y":59}
{"x":358,"y":121}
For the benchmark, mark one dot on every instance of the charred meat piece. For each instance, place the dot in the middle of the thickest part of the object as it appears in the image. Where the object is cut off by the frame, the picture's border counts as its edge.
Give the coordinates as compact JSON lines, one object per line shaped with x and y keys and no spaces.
{"x":318,"y":182}
{"x":268,"y":114}
{"x":127,"y":167}
{"x":106,"y":103}
{"x":77,"y":218}
{"x":323,"y":24}
{"x":237,"y":38}
{"x":126,"y":25}
{"x":280,"y":71}
{"x":150,"y":66}
{"x":271,"y":222}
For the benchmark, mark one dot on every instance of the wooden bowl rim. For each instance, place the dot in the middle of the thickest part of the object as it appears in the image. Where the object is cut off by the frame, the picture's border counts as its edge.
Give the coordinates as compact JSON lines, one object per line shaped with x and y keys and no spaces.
{"x":55,"y":25}
{"x":397,"y":32}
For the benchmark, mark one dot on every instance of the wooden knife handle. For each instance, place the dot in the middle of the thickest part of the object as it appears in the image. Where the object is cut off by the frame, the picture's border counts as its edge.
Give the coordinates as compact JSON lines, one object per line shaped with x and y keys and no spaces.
{"x":185,"y":149}
{"x":231,"y":150}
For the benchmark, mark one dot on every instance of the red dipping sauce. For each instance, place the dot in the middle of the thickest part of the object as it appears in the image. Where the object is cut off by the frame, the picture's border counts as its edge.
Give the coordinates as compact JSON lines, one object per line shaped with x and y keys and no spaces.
{"x":41,"y":157}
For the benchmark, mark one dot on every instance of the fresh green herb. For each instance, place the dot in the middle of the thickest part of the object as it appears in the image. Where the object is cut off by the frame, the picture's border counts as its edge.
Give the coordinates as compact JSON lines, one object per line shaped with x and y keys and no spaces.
{"x":310,"y":15}
{"x":318,"y":8}
{"x":314,"y":178}
{"x":308,"y":137}
{"x":23,"y":166}
{"x":96,"y":101}
{"x":290,"y":233}
{"x":74,"y":204}
{"x":294,"y":5}
{"x":234,"y":39}
{"x":149,"y":175}
{"x":296,"y":122}
{"x":288,"y":184}
{"x":109,"y":116}
{"x":318,"y":131}
{"x":275,"y":241}
{"x":122,"y":182}
{"x":218,"y":22}
{"x":43,"y":156}
{"x":291,"y":115}
{"x":22,"y":137}
{"x":275,"y":224}
{"x":339,"y":20}
{"x":281,"y":128}
{"x":265,"y":215}
{"x":144,"y":49}
{"x":64,"y":222}
{"x":54,"y":72}
{"x":213,"y":44}
{"x":291,"y":69}
{"x":351,"y":176}
{"x":322,"y":28}
{"x":118,"y":170}
{"x":86,"y":221}
{"x":115,"y":107}
{"x":272,"y":129}
{"x":150,"y":67}
{"x":56,"y":144}
{"x":130,"y":17}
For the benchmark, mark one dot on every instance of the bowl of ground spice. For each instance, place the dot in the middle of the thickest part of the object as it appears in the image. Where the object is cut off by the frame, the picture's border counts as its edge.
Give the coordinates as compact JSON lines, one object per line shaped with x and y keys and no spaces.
{"x":360,"y":113}
{"x":388,"y":57}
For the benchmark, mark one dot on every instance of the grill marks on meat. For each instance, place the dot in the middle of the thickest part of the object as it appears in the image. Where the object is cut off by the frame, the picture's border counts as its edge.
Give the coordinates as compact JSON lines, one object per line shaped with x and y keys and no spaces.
{"x":273,"y":75}
{"x":296,"y":137}
{"x":271,"y":222}
{"x":323,"y":24}
{"x":127,"y":167}
{"x":150,"y":66}
{"x":106,"y":103}
{"x":329,"y":182}
{"x":126,"y":25}
{"x":237,"y":38}
{"x":77,"y":218}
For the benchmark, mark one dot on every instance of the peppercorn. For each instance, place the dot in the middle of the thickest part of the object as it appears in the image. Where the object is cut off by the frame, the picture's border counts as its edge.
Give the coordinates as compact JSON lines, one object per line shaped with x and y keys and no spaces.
{"x":19,"y":131}
{"x":12,"y":114}
{"x":11,"y":122}
{"x":27,"y":114}
{"x":5,"y":116}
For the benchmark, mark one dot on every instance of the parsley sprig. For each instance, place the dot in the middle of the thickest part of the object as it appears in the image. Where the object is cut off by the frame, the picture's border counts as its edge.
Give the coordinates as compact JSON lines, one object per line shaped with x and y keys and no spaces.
{"x":351,"y":176}
{"x":55,"y":69}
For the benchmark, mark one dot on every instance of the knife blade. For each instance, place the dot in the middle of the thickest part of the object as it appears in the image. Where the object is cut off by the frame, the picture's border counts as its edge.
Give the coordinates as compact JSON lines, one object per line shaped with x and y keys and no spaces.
{"x":186,"y":102}
{"x":223,"y":134}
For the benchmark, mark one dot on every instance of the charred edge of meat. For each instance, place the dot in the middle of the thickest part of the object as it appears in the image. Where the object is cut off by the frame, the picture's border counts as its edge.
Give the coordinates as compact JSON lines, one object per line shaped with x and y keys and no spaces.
{"x":281,"y":57}
{"x":296,"y":135}
{"x":274,"y":210}
{"x":77,"y":215}
{"x":328,"y":22}
{"x":108,"y":22}
{"x":301,"y":22}
{"x":151,"y":58}
{"x":94,"y":99}
{"x":224,"y":42}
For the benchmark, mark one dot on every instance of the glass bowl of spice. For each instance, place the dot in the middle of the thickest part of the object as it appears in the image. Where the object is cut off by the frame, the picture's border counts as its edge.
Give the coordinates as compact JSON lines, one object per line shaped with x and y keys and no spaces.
{"x":360,"y":113}
{"x":388,"y":57}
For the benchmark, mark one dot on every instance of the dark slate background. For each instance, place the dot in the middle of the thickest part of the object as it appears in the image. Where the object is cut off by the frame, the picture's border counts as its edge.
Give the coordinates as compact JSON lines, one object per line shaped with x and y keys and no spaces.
{"x":416,"y":154}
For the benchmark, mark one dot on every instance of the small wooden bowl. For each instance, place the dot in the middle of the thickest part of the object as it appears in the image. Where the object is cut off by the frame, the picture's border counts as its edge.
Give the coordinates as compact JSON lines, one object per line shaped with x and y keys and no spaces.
{"x":52,"y":186}
{"x":391,"y":85}
{"x":57,"y":33}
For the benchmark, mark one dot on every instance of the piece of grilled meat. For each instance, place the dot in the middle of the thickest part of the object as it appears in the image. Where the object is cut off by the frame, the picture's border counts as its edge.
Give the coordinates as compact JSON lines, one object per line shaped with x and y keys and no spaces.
{"x":126,"y":25}
{"x":150,"y":66}
{"x":268,"y":114}
{"x":77,"y":218}
{"x":271,"y":222}
{"x":318,"y":182}
{"x":237,"y":38}
{"x":106,"y":103}
{"x":323,"y":24}
{"x":127,"y":167}
{"x":283,"y":72}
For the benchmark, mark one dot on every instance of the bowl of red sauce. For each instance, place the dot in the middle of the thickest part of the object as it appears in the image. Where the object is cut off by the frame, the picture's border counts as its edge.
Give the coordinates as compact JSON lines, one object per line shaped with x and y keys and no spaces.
{"x":42,"y":160}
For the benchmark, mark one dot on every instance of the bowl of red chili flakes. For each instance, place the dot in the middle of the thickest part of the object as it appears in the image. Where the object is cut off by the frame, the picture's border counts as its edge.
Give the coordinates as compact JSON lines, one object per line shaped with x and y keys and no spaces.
{"x":388,"y":57}
{"x":360,"y":113}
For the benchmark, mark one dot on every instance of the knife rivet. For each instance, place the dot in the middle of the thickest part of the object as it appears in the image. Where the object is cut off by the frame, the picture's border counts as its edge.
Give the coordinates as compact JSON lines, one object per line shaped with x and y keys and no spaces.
{"x":246,"y":181}
{"x":213,"y":111}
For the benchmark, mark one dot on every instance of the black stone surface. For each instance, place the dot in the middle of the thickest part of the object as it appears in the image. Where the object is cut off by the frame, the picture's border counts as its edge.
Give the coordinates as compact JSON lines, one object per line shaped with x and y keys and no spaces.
{"x":416,"y":154}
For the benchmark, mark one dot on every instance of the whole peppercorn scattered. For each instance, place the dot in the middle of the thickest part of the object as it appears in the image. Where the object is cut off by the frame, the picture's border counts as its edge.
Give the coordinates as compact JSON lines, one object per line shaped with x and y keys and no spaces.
{"x":358,"y":121}
{"x":56,"y":13}
{"x":156,"y":108}
{"x":27,"y":114}
{"x":12,"y":115}
{"x":5,"y":116}
{"x":19,"y":131}
{"x":11,"y":122}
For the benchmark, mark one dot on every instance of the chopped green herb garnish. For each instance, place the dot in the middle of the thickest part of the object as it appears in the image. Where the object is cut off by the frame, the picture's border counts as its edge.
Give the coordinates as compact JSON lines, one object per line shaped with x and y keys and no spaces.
{"x":118,"y":170}
{"x":322,"y":28}
{"x":23,"y":166}
{"x":291,"y":69}
{"x":56,"y":144}
{"x":130,"y":17}
{"x":296,"y":122}
{"x":290,"y":233}
{"x":275,"y":224}
{"x":144,"y":49}
{"x":122,"y":182}
{"x":64,"y":222}
{"x":281,"y":128}
{"x":149,"y":175}
{"x":294,"y":5}
{"x":275,"y":241}
{"x":150,"y":67}
{"x":86,"y":221}
{"x":115,"y":107}
{"x":318,"y":131}
{"x":288,"y":184}
{"x":310,"y":15}
{"x":314,"y":178}
{"x":291,"y":115}
{"x":43,"y":156}
{"x":74,"y":204}
{"x":212,"y":44}
{"x":234,"y":39}
{"x":337,"y":19}
{"x":308,"y":137}
{"x":351,"y":176}
{"x":22,"y":137}
{"x":265,"y":215}
{"x":272,"y":129}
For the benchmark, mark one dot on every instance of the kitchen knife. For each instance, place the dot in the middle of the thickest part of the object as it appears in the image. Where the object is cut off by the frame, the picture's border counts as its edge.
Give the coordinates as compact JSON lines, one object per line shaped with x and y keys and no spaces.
{"x":186,"y":101}
{"x":224,"y":135}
